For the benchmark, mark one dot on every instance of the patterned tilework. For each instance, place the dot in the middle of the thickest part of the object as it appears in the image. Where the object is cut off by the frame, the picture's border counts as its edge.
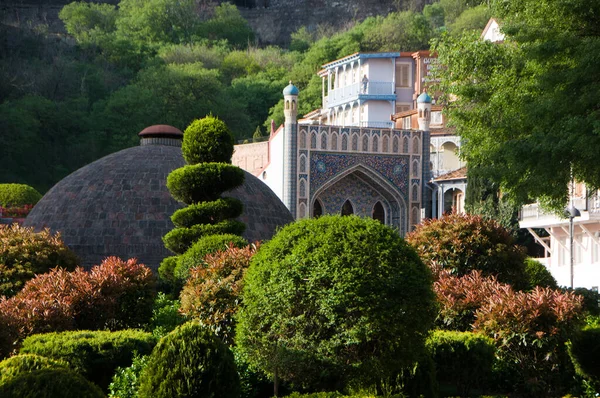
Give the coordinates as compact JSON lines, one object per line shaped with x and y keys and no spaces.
{"x":290,"y":176}
{"x":325,"y":166}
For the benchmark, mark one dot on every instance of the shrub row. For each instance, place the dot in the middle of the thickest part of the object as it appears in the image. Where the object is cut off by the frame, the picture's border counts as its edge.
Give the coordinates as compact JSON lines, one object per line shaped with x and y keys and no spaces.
{"x":16,"y":195}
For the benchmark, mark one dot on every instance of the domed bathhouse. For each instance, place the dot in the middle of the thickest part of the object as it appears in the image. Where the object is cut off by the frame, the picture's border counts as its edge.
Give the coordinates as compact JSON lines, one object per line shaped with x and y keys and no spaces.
{"x":120,"y":206}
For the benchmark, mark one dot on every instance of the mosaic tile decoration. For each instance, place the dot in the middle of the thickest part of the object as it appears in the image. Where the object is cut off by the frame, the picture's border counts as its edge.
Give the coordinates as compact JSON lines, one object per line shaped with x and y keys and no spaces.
{"x":325,"y":166}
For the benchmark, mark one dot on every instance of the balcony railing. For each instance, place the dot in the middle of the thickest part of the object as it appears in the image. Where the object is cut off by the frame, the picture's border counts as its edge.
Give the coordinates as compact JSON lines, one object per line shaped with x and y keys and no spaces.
{"x":534,"y":211}
{"x":348,"y":93}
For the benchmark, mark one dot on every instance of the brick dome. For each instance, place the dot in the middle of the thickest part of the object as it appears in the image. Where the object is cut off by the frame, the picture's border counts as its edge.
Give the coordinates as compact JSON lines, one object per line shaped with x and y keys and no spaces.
{"x":120,"y":206}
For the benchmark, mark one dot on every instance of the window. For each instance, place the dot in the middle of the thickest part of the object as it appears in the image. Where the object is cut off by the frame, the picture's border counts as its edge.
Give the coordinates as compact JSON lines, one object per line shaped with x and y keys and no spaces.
{"x":317,"y":209}
{"x":436,"y":118}
{"x":406,"y":125}
{"x":365,"y":143}
{"x":344,"y":142}
{"x":386,"y":144}
{"x":347,"y":208}
{"x":402,"y":108}
{"x":379,"y":213}
{"x":402,"y":75}
{"x":324,"y":141}
{"x":334,"y":142}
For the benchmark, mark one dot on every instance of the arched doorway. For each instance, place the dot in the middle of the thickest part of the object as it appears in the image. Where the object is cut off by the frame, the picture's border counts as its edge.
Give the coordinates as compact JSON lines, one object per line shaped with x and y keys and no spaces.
{"x":347,"y":208}
{"x":379,"y":213}
{"x":317,"y":209}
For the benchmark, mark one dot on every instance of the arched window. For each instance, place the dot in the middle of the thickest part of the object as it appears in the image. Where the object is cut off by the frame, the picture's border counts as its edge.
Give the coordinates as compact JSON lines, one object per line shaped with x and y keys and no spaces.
{"x":375,"y":144}
{"x":396,"y":148}
{"x":293,"y":104}
{"x":365,"y":143}
{"x":355,"y":142}
{"x":334,"y":142}
{"x":379,"y":213}
{"x":347,"y":208}
{"x":302,"y":210}
{"x":302,"y":189}
{"x":317,"y":209}
{"x":302,"y":164}
{"x":415,"y":193}
{"x":415,"y":216}
{"x":415,"y":146}
{"x":386,"y":144}
{"x":344,"y":142}
{"x":287,"y":104}
{"x":324,"y":140}
{"x":415,"y":168}
{"x":313,"y":140}
{"x":405,"y":145}
{"x":303,"y":140}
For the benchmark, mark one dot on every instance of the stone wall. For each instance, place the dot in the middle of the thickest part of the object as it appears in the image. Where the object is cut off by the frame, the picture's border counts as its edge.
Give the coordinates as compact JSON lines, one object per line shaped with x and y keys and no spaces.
{"x":272,"y":20}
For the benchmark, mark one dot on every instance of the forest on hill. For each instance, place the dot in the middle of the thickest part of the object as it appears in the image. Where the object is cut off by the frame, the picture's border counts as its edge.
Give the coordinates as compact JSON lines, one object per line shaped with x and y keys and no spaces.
{"x":69,"y":99}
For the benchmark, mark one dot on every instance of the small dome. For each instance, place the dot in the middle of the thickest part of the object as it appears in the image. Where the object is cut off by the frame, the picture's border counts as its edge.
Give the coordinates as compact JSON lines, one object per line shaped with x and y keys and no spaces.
{"x":290,"y":89}
{"x":161,"y":130}
{"x":424,"y":98}
{"x":120,"y":206}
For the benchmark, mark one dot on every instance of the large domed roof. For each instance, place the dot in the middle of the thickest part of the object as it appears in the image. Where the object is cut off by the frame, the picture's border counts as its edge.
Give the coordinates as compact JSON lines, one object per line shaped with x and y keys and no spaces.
{"x":120,"y":206}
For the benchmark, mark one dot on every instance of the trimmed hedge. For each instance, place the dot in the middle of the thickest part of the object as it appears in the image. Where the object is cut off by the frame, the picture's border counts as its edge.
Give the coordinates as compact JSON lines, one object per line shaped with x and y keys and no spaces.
{"x":190,"y":362}
{"x":207,"y":140}
{"x":194,"y":256}
{"x":203,"y":182}
{"x":13,"y":195}
{"x":25,"y":253}
{"x":179,"y":240}
{"x":208,"y":212}
{"x":24,"y":363}
{"x":463,"y":360}
{"x":584,"y":350}
{"x":538,"y":275}
{"x":50,"y":383}
{"x":95,"y":354}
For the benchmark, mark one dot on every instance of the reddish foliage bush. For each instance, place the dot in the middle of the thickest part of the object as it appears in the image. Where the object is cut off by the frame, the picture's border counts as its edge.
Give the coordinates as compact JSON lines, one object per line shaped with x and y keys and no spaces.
{"x":460,"y":297}
{"x":462,"y":243}
{"x":25,"y":253}
{"x":211,"y":293}
{"x":116,"y":294}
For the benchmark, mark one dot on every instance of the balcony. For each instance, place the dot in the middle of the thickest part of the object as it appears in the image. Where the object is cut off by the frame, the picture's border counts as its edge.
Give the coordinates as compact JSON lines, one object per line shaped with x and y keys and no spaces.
{"x":374,"y":90}
{"x":534,"y":216}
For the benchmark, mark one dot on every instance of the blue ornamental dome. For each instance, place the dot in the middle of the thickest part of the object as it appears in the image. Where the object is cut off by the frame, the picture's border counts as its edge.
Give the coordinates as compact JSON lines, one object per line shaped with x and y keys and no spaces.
{"x":290,"y":89}
{"x":424,"y":98}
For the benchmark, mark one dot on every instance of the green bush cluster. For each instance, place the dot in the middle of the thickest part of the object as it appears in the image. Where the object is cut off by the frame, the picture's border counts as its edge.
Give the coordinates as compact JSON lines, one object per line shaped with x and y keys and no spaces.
{"x":538,"y":275}
{"x":23,"y":363}
{"x":335,"y":300}
{"x":125,"y":382}
{"x":15,"y":195}
{"x":94,"y":354}
{"x":50,"y":383}
{"x":214,"y":144}
{"x":463,"y":360}
{"x":190,"y":362}
{"x":25,"y":253}
{"x":584,"y":350}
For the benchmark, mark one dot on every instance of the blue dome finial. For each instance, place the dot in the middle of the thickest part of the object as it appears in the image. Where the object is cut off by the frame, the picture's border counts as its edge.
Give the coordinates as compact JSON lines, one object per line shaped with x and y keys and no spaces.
{"x":290,"y":89}
{"x":424,"y":98}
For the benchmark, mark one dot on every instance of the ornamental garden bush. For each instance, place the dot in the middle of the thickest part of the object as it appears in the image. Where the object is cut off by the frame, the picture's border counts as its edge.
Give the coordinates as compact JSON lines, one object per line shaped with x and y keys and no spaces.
{"x":23,"y":363}
{"x":333,"y":301}
{"x":584,"y":350}
{"x":191,"y":361}
{"x":463,"y":360}
{"x":113,"y":295}
{"x":49,"y":383}
{"x":207,"y":148}
{"x":94,"y":354}
{"x":462,"y":243}
{"x":212,"y":292}
{"x":18,"y":195}
{"x":25,"y":253}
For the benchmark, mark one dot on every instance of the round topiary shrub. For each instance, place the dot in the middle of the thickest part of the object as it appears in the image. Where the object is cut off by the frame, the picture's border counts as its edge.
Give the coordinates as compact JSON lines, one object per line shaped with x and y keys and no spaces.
{"x":13,"y":195}
{"x":25,"y":253}
{"x":463,"y":243}
{"x":333,"y":300}
{"x":584,"y":350}
{"x":203,"y":182}
{"x":190,"y":362}
{"x":49,"y":383}
{"x":23,"y":363}
{"x":538,"y":275}
{"x":208,"y":212}
{"x":207,"y":140}
{"x":194,"y":256}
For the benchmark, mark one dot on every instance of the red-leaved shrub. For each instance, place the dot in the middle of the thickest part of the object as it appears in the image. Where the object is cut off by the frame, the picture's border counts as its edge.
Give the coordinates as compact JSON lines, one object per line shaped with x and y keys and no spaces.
{"x":211,"y":293}
{"x":114,"y":295}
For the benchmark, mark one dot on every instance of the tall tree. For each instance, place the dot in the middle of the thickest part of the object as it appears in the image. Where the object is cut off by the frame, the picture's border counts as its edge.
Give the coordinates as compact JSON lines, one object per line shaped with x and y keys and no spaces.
{"x":527,"y":108}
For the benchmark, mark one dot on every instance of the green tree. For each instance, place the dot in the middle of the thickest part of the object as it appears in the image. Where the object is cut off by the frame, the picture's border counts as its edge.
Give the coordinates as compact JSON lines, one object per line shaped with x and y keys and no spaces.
{"x":526,"y":108}
{"x":227,"y":23}
{"x":88,"y":22}
{"x":333,"y":300}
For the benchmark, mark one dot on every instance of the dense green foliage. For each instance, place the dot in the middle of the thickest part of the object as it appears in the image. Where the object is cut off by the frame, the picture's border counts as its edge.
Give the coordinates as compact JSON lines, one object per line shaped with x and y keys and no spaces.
{"x":463,"y":360}
{"x":12,"y":195}
{"x":190,"y":362}
{"x":584,"y":349}
{"x":49,"y":383}
{"x":462,"y":243}
{"x":538,"y":275}
{"x":207,"y":212}
{"x":165,"y":316}
{"x":526,"y":107}
{"x":23,"y":363}
{"x":203,"y":181}
{"x":94,"y":354}
{"x":114,"y":295}
{"x":335,"y":300}
{"x":179,"y":240}
{"x":25,"y":253}
{"x":125,"y":382}
{"x":207,"y":140}
{"x":212,"y":291}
